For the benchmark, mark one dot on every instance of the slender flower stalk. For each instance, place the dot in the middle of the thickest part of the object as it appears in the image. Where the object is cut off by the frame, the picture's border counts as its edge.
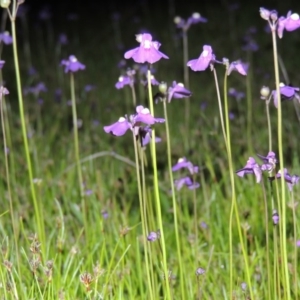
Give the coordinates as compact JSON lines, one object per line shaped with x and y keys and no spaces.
{"x":3,"y":91}
{"x":142,"y":200}
{"x":156,"y":188}
{"x":37,"y":209}
{"x":234,"y":207}
{"x":281,"y":165}
{"x":179,"y":257}
{"x":77,"y":155}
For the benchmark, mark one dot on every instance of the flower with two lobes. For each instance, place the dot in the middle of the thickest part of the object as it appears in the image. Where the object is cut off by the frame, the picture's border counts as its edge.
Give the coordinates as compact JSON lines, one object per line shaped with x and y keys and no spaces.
{"x":269,"y":165}
{"x":127,"y":79}
{"x":287,"y":92}
{"x":177,"y":90}
{"x":238,"y":66}
{"x":289,"y":23}
{"x":72,"y":64}
{"x":187,"y":181}
{"x":147,"y":52}
{"x":252,"y":167}
{"x":133,"y":123}
{"x":6,"y":38}
{"x":205,"y":59}
{"x":195,"y":18}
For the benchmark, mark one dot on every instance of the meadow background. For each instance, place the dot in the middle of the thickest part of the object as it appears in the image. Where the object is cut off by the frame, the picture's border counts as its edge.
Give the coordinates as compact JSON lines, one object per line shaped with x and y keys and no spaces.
{"x":53,"y":249}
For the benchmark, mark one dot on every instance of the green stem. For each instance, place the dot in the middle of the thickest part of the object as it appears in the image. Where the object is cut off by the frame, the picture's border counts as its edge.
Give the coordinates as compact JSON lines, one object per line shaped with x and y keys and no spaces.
{"x":142,"y":211}
{"x":37,"y":210}
{"x":233,"y":193}
{"x":249,"y":106}
{"x":76,"y":149}
{"x":295,"y":247}
{"x":156,"y":188}
{"x":269,"y":125}
{"x":281,"y":164}
{"x":174,"y":202}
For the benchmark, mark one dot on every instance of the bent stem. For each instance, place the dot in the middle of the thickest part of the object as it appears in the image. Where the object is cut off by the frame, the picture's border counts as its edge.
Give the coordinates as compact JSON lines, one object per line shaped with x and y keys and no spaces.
{"x":281,"y":164}
{"x":174,"y":202}
{"x":37,"y":210}
{"x":156,"y":188}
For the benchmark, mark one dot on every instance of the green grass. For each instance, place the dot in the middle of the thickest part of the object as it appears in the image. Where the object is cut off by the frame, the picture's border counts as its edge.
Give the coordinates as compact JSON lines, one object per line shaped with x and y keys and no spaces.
{"x":69,"y":253}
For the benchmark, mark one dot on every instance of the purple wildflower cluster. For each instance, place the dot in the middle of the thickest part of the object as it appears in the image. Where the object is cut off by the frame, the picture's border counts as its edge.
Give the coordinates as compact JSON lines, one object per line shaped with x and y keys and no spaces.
{"x":268,"y":164}
{"x":134,"y":123}
{"x":72,"y":65}
{"x":289,"y":23}
{"x":188,"y":180}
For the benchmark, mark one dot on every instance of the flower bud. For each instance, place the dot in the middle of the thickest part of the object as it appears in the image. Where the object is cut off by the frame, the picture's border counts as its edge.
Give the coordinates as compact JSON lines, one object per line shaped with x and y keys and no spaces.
{"x":163,"y":87}
{"x":177,"y":20}
{"x":5,"y":3}
{"x":265,"y":92}
{"x":264,"y":13}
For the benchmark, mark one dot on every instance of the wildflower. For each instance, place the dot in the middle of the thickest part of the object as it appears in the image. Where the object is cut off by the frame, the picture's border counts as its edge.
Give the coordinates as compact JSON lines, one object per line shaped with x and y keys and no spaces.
{"x":251,"y":168}
{"x":238,"y":66}
{"x":153,"y":80}
{"x":200,"y":271}
{"x":143,"y":115}
{"x":147,"y":51}
{"x":290,"y":23}
{"x":2,"y":62}
{"x":3,"y":91}
{"x":153,"y":236}
{"x":236,"y":94}
{"x":6,"y":38}
{"x":291,"y":180}
{"x":72,"y":64}
{"x":123,"y":80}
{"x":145,"y":135}
{"x":184,"y":163}
{"x":195,"y":18}
{"x":244,"y":286}
{"x":63,"y":39}
{"x":177,"y":90}
{"x":298,"y":243}
{"x":187,"y":181}
{"x":287,"y":93}
{"x":86,"y":279}
{"x":269,"y":161}
{"x":119,"y":128}
{"x":275,"y":217}
{"x":265,"y":13}
{"x":36,"y":90}
{"x":205,"y":59}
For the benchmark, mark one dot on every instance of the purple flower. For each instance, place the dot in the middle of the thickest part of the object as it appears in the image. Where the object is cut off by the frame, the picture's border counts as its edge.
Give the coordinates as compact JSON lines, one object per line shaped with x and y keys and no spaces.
{"x":195,"y":18}
{"x":89,"y":87}
{"x":177,"y":90}
{"x":265,"y":13}
{"x":238,"y":66}
{"x":72,"y":64}
{"x":200,"y":271}
{"x":290,"y":180}
{"x":105,"y":214}
{"x":63,"y":39}
{"x":143,"y":115}
{"x":205,"y":59}
{"x":123,"y":80}
{"x":287,"y":93}
{"x":145,"y":135}
{"x":2,"y":62}
{"x":298,"y":243}
{"x":237,"y":95}
{"x":269,"y":159}
{"x":290,"y":23}
{"x":275,"y":217}
{"x":6,"y":38}
{"x":184,"y":163}
{"x":154,"y":81}
{"x":3,"y":91}
{"x":147,"y":51}
{"x":251,"y":167}
{"x":187,"y":181}
{"x":36,"y":90}
{"x":119,"y":128}
{"x":153,"y":236}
